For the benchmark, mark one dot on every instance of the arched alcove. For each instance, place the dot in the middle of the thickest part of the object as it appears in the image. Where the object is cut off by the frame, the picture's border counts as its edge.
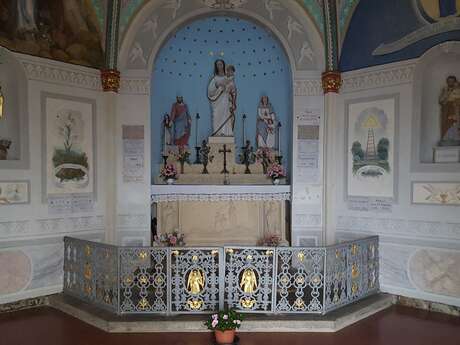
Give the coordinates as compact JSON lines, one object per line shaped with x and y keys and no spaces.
{"x":430,"y":76}
{"x":184,"y":66}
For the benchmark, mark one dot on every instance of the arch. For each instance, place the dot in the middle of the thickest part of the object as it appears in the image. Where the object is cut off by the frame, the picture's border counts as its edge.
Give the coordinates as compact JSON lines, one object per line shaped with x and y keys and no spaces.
{"x":277,"y":28}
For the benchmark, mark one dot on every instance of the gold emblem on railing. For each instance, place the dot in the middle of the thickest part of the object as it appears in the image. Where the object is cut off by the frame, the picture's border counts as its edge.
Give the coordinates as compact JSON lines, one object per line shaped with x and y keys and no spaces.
{"x":175,"y":252}
{"x":248,"y":281}
{"x":300,"y":280}
{"x":194,"y":258}
{"x":354,"y":288}
{"x":195,"y":281}
{"x":354,"y":271}
{"x":299,"y":303}
{"x":143,"y":304}
{"x":300,"y":256}
{"x":88,"y":272}
{"x":143,"y":280}
{"x":87,"y":250}
{"x":269,"y":252}
{"x":229,"y":251}
{"x":128,"y":280}
{"x":354,"y":249}
{"x":194,"y":304}
{"x":337,"y":254}
{"x":143,"y":255}
{"x":247,"y":303}
{"x":88,"y":289}
{"x":159,"y":280}
{"x":214,"y":252}
{"x":249,"y":257}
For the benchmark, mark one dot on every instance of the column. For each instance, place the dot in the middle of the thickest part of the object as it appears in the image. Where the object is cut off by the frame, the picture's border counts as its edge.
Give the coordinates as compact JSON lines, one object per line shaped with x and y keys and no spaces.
{"x":331,"y":81}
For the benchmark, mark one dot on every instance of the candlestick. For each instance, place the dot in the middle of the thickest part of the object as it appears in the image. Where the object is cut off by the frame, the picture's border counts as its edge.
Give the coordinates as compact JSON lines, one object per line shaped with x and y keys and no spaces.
{"x":244,"y":130}
{"x":279,"y":138}
{"x":197,"y":147}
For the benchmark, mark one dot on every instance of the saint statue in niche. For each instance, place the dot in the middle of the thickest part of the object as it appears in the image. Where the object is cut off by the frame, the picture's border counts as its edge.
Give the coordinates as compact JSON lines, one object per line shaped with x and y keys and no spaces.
{"x":222,"y":96}
{"x":167,"y":128}
{"x":182,"y":122}
{"x":450,"y":112}
{"x":265,"y":128}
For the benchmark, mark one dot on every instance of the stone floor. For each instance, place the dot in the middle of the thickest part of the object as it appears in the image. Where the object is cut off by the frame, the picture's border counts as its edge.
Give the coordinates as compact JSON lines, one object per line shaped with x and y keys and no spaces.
{"x":393,"y":326}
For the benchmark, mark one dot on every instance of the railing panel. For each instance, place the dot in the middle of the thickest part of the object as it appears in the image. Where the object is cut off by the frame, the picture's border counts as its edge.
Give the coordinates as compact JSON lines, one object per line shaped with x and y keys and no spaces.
{"x":352,"y":270}
{"x":91,"y":272}
{"x":195,"y":279}
{"x":143,"y":280}
{"x":153,"y":280}
{"x":300,"y":280}
{"x":249,"y":278}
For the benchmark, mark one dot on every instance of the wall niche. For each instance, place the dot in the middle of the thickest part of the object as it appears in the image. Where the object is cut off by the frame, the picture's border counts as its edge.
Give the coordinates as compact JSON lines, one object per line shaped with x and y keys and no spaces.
{"x":430,"y":77}
{"x":14,"y":151}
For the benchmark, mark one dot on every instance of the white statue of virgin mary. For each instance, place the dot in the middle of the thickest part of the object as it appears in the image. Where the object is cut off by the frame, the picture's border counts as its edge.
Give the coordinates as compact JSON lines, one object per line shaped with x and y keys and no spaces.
{"x":220,"y":93}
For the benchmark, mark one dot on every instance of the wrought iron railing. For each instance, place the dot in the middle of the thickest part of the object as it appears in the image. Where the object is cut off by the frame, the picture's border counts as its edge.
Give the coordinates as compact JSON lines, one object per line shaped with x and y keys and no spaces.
{"x":151,"y":280}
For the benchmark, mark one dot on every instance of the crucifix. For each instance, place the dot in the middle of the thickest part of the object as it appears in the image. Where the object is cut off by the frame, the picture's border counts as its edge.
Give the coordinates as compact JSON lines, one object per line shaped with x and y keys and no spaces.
{"x":225,"y":151}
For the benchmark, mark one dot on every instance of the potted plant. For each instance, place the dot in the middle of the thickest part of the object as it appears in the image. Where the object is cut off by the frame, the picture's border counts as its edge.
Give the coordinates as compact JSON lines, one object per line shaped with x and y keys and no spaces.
{"x":224,"y":323}
{"x":173,"y":239}
{"x":276,"y":172}
{"x":169,"y":173}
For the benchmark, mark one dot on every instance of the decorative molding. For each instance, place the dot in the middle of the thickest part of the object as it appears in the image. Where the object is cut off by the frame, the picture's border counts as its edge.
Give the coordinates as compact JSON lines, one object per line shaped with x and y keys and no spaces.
{"x":371,"y":78}
{"x":14,"y":228}
{"x":399,"y":227}
{"x":133,"y":221}
{"x":24,"y":304}
{"x":222,"y":197}
{"x":48,"y":226}
{"x":224,"y":4}
{"x":427,"y":305}
{"x":308,"y":87}
{"x":62,"y":75}
{"x":436,"y":193}
{"x":70,"y":224}
{"x":135,"y":86}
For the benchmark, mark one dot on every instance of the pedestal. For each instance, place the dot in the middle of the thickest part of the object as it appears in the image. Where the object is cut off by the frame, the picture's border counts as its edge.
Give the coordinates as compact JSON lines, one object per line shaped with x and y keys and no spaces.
{"x":446,"y":154}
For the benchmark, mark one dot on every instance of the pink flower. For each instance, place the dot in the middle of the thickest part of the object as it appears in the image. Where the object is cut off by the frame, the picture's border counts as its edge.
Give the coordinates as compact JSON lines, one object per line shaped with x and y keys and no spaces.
{"x":225,"y":317}
{"x":214,"y":323}
{"x":173,"y":240}
{"x":215,"y":316}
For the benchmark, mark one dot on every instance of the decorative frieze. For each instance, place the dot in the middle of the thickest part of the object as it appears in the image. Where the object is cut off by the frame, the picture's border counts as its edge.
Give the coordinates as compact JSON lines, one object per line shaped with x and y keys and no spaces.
{"x":390,"y":75}
{"x":386,"y":226}
{"x":222,"y":197}
{"x":135,"y":86}
{"x":308,"y":87}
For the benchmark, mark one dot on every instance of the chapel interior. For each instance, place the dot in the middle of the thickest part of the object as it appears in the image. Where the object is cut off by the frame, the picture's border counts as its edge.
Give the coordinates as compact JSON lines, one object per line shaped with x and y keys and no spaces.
{"x":294,"y":161}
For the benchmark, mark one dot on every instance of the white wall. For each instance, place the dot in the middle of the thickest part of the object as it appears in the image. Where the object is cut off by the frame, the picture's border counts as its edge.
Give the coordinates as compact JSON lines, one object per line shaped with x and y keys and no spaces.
{"x":31,"y":247}
{"x":419,"y":244}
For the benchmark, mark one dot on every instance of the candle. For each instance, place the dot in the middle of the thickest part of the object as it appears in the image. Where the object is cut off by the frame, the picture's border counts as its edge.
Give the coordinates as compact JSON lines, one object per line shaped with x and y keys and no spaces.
{"x":196,"y":129}
{"x":244,"y":130}
{"x":279,"y":138}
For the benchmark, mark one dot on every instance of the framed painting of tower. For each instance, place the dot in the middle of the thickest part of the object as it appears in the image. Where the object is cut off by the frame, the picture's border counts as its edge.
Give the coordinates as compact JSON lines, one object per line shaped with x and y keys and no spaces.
{"x":370,"y":147}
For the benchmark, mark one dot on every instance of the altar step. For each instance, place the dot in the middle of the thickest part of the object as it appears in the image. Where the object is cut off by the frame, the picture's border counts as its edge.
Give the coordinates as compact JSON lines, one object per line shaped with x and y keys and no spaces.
{"x":332,"y":322}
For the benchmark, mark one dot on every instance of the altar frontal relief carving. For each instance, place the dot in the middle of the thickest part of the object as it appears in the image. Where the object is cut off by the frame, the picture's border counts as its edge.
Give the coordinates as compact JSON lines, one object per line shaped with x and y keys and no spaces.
{"x":69,"y":146}
{"x":223,"y":222}
{"x":370,"y":148}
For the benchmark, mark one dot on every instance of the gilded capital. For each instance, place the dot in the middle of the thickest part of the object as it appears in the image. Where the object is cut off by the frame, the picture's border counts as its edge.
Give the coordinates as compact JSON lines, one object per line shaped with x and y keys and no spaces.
{"x":332,"y":81}
{"x":110,"y":79}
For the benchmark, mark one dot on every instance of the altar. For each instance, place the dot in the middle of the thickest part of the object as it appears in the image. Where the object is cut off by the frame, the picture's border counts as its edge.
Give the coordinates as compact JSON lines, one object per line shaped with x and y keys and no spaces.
{"x":222,"y":215}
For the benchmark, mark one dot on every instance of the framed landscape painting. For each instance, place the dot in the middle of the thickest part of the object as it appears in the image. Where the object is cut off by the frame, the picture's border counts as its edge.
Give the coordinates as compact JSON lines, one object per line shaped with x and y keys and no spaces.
{"x":370,"y":145}
{"x":69,"y":145}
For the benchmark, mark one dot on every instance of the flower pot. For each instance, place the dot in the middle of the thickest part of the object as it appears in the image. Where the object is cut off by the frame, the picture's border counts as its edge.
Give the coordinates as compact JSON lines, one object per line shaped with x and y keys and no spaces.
{"x":276,"y":181}
{"x":225,"y":337}
{"x":170,"y":181}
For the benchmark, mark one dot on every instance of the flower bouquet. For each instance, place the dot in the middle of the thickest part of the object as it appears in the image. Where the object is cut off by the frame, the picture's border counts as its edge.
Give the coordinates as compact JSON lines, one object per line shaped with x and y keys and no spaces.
{"x":264,"y":156}
{"x":224,"y":324}
{"x":169,"y":173}
{"x":182,"y":156}
{"x":276,"y":172}
{"x":173,"y":239}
